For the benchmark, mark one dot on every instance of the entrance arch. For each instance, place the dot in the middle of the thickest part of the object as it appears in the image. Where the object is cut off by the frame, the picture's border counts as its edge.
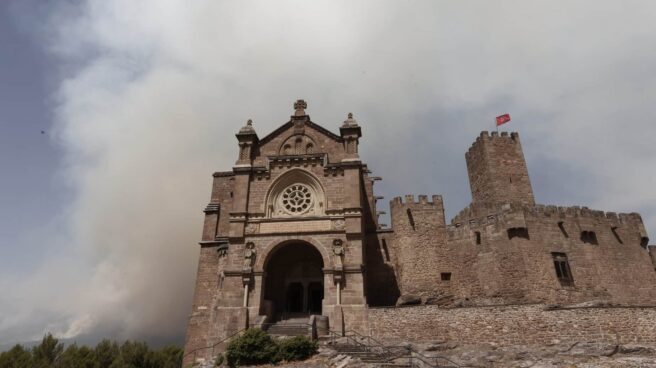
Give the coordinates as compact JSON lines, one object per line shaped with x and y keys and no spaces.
{"x":293,"y":280}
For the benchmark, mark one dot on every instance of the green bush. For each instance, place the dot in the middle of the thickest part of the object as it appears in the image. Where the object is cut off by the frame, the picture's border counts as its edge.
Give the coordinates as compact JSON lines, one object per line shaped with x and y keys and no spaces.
{"x":254,"y":346}
{"x":296,"y":348}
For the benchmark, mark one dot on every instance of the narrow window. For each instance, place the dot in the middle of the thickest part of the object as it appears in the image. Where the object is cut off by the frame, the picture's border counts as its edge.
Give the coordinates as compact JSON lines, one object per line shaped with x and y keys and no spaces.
{"x":510,"y":178}
{"x":297,"y":146}
{"x":230,"y":194}
{"x":411,"y":219}
{"x":386,"y":251}
{"x":445,"y":276}
{"x":518,"y":232}
{"x":563,"y":272}
{"x":644,"y":241}
{"x":589,"y":237}
{"x":561,"y":226}
{"x":617,"y":236}
{"x":478,"y":237}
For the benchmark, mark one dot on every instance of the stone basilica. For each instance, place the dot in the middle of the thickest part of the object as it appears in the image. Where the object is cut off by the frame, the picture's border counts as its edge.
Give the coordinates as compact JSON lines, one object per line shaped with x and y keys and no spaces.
{"x":292,"y":231}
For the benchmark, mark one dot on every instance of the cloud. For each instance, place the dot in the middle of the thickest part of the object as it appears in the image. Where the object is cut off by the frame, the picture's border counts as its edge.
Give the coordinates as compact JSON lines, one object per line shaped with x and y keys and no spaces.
{"x":152,"y":92}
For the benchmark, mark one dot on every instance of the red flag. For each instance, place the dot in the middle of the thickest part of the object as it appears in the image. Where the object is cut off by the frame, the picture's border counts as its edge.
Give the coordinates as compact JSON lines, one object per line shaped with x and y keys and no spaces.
{"x":502,"y":119}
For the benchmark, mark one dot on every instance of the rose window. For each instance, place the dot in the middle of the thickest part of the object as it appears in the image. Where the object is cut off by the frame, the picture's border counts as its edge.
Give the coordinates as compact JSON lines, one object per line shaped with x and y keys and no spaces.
{"x":297,"y":199}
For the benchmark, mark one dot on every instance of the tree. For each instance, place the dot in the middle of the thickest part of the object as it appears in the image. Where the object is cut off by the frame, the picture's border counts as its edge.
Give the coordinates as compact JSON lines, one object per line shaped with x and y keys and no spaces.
{"x":46,"y":354}
{"x":16,"y":357}
{"x":77,"y":357}
{"x":106,"y":353}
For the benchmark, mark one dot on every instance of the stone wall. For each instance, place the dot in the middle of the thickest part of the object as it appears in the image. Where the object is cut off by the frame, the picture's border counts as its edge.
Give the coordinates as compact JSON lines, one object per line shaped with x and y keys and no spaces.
{"x":495,"y":269}
{"x":514,"y":325}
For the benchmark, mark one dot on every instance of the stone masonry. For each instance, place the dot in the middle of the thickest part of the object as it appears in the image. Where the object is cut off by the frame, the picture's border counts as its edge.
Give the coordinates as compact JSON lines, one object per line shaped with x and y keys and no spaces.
{"x":292,"y":230}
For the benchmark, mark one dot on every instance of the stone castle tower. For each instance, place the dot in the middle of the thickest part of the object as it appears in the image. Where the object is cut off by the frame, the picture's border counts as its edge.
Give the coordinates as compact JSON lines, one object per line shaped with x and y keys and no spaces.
{"x":292,"y":231}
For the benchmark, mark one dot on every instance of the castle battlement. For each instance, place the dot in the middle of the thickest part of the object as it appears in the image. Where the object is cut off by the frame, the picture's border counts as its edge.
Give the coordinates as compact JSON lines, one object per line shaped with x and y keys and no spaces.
{"x":486,"y":136}
{"x":474,"y":212}
{"x":475,"y":217}
{"x":436,"y":200}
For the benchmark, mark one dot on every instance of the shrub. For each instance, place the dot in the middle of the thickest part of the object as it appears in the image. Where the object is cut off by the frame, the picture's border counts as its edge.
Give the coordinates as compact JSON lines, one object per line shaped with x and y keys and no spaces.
{"x":254,"y":346}
{"x":296,"y":348}
{"x":219,"y":360}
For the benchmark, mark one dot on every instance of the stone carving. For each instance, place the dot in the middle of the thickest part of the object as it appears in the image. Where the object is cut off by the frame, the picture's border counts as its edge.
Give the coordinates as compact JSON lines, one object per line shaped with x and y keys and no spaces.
{"x":338,"y":248}
{"x":339,"y":224}
{"x":249,"y":255}
{"x":251,"y":228}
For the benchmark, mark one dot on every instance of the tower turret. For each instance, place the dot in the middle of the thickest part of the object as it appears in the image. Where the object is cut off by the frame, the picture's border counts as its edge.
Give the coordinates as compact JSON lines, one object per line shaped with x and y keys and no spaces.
{"x":497,"y":170}
{"x":420,"y":238}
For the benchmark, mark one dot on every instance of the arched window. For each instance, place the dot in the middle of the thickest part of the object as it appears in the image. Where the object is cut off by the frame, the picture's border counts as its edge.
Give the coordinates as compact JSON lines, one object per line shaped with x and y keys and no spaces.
{"x":296,"y":193}
{"x":298,"y":144}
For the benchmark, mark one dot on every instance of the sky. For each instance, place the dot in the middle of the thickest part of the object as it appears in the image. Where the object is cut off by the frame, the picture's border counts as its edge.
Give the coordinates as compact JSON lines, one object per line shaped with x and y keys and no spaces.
{"x":114,"y":114}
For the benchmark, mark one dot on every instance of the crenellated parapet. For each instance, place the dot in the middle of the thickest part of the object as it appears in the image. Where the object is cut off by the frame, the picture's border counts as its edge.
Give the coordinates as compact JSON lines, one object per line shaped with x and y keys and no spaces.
{"x":576,"y":219}
{"x":436,"y":200}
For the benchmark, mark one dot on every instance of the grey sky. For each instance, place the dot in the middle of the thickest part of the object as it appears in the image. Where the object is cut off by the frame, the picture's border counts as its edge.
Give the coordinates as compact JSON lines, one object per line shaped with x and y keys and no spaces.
{"x":140,"y":102}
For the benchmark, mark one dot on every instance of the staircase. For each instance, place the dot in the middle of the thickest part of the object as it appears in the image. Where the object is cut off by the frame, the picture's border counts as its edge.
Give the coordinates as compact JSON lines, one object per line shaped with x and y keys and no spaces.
{"x":289,"y":327}
{"x":367,"y":355}
{"x":372,"y":352}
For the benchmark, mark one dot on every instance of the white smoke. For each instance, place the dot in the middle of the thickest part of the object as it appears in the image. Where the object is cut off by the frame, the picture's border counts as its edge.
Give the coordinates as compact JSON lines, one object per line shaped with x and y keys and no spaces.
{"x":152,"y":93}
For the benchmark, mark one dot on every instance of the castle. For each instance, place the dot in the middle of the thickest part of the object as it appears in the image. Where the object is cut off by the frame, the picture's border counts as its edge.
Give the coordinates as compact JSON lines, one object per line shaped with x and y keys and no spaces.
{"x":292,"y":230}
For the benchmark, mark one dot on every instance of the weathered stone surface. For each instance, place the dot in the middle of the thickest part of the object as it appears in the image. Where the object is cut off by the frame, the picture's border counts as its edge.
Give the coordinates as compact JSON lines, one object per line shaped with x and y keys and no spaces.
{"x":408,"y":300}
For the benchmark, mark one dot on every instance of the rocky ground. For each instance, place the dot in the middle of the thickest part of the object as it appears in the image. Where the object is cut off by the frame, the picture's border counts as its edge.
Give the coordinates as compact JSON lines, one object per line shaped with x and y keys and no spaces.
{"x":577,"y":355}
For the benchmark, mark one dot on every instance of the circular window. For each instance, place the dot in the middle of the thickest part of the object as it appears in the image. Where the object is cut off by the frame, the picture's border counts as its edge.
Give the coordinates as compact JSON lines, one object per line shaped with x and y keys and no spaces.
{"x":297,"y":199}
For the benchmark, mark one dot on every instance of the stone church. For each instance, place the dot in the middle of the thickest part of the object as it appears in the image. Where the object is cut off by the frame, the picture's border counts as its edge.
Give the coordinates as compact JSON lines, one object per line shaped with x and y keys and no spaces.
{"x":293,"y":231}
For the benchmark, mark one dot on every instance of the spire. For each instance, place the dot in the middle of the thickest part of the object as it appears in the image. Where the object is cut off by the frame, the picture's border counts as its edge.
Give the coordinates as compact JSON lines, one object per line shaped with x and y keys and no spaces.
{"x":350,"y":122}
{"x":300,"y":106}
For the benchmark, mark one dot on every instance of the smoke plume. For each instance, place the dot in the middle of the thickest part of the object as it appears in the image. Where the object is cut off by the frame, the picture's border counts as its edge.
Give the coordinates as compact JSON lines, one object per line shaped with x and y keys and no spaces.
{"x":150,"y":95}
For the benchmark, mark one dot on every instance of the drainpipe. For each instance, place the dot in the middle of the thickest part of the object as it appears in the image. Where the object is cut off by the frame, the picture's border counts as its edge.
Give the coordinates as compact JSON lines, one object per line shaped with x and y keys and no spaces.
{"x":245,"y":295}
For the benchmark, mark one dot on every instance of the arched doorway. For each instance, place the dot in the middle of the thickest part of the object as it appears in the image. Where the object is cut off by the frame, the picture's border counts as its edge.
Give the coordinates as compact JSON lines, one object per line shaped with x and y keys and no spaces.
{"x":294,"y":280}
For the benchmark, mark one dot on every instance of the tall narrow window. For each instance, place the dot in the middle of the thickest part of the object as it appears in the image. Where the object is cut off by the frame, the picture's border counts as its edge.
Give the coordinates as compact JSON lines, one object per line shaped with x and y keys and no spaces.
{"x":563,"y":272}
{"x":561,"y":226}
{"x":386,"y":251}
{"x":617,"y":236}
{"x":589,"y":237}
{"x":411,"y":219}
{"x":478,"y":237}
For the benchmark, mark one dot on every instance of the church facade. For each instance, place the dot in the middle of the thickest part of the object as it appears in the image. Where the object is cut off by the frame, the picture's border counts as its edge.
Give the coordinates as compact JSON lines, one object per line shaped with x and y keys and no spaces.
{"x":292,"y":230}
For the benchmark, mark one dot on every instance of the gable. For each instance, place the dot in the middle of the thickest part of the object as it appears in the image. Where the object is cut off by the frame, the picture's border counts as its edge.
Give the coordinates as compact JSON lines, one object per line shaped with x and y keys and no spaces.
{"x":300,"y":137}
